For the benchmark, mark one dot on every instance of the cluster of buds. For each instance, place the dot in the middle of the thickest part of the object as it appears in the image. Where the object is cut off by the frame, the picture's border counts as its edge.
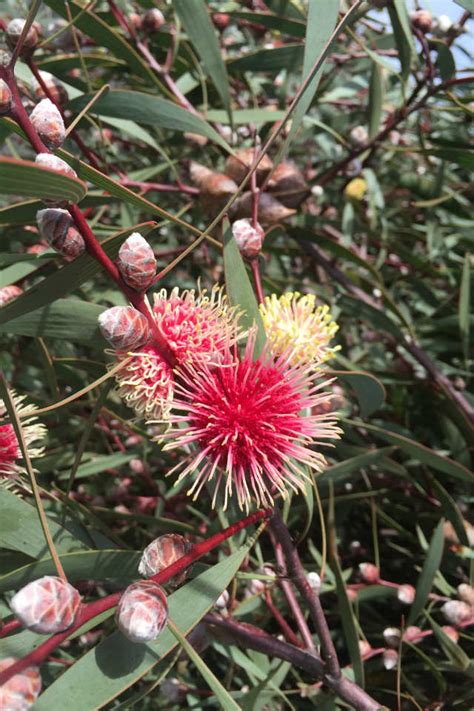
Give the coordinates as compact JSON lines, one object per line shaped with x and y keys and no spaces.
{"x":9,"y":293}
{"x":142,"y":611}
{"x":21,"y":690}
{"x":125,"y":328}
{"x":47,"y":605}
{"x":48,"y":123}
{"x":57,"y":228}
{"x":163,"y":552}
{"x":13,"y":34}
{"x":136,"y":262}
{"x":6,"y":99}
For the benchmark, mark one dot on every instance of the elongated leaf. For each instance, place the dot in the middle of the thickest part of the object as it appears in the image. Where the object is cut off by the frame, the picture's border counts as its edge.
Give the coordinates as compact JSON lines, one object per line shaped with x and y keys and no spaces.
{"x":101,"y":464}
{"x":466,"y":4}
{"x":464,"y":305}
{"x":197,"y":23}
{"x":348,"y":623}
{"x":451,"y":511}
{"x":149,"y":110}
{"x":369,"y":390}
{"x":68,"y":278}
{"x":23,"y":177}
{"x":376,"y":97}
{"x":116,"y":663}
{"x":453,"y":651}
{"x":341,"y":470}
{"x":239,"y":290}
{"x":268,"y":60}
{"x":69,"y":319}
{"x":429,"y":570}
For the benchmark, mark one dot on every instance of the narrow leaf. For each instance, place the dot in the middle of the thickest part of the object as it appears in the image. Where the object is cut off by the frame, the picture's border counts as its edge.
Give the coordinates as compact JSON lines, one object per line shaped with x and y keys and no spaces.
{"x":348,"y":623}
{"x":23,"y":177}
{"x":376,"y":97}
{"x":427,"y":575}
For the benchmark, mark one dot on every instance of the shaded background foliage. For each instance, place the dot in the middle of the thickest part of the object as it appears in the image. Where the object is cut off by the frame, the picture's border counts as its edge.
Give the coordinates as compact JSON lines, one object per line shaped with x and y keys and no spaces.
{"x":392,"y":261}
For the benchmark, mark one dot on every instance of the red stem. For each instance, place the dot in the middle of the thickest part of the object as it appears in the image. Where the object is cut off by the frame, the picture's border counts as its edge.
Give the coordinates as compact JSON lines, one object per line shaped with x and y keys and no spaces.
{"x":90,"y":610}
{"x":285,"y":627}
{"x":257,"y":280}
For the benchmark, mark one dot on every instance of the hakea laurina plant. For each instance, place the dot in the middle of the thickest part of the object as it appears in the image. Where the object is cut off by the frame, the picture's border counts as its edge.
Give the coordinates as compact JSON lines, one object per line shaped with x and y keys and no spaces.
{"x":11,"y":459}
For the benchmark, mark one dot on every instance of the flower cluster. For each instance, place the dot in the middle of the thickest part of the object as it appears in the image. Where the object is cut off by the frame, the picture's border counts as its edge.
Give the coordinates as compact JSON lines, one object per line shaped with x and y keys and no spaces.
{"x":251,"y":427}
{"x":10,"y":454}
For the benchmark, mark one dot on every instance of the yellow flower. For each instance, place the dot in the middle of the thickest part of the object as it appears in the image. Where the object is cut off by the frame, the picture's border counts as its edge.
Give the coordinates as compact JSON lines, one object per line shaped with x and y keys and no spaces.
{"x":294,"y":322}
{"x":356,"y":189}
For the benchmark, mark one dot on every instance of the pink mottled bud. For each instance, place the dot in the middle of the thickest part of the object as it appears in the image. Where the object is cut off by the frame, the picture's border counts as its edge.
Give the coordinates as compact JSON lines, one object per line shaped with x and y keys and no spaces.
{"x":466,"y":594}
{"x":364,"y":647}
{"x":358,"y":135}
{"x":9,"y":293}
{"x":422,"y":20}
{"x":411,"y":634}
{"x":47,"y":160}
{"x":142,"y":611}
{"x":392,"y":636}
{"x":20,"y":692}
{"x":369,"y":572}
{"x":152,"y":21}
{"x":451,"y":632}
{"x":124,"y":327}
{"x":47,"y":605}
{"x":136,"y":262}
{"x":14,"y":30}
{"x":56,"y":226}
{"x":457,"y":611}
{"x":390,"y":659}
{"x":249,"y":239}
{"x":56,"y":90}
{"x":48,"y":123}
{"x":161,"y":553}
{"x":257,"y":585}
{"x":5,"y":98}
{"x":406,"y":594}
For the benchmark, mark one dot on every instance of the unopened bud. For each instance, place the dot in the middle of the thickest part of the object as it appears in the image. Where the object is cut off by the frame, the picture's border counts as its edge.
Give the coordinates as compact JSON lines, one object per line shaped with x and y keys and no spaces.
{"x":288,"y":184}
{"x":56,"y":226}
{"x":142,"y":611}
{"x":221,"y":20}
{"x":48,"y":160}
{"x":356,"y":189}
{"x":422,"y":20}
{"x":238,"y":165}
{"x":48,"y":123}
{"x":5,"y":58}
{"x":249,"y":238}
{"x":270,"y":210}
{"x":135,"y":20}
{"x":5,"y":98}
{"x":317,"y":191}
{"x":9,"y":293}
{"x":196,"y":138}
{"x":56,"y":90}
{"x":358,"y":135}
{"x":162,"y":552}
{"x":411,"y":634}
{"x":14,"y":30}
{"x":456,"y":611}
{"x":257,"y":586}
{"x":136,"y":262}
{"x":466,"y":594}
{"x":364,"y":647}
{"x":47,"y":605}
{"x":406,"y":594}
{"x":314,"y":581}
{"x":390,"y":659}
{"x":369,"y":572}
{"x":152,"y":21}
{"x":20,"y":692}
{"x":392,"y":636}
{"x":223,"y":600}
{"x":451,"y":632}
{"x":124,"y":327}
{"x":444,"y":24}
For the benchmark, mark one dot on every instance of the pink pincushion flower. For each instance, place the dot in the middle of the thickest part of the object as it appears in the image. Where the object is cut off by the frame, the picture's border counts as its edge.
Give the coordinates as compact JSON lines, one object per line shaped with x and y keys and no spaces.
{"x":250,"y":425}
{"x":196,"y":328}
{"x":10,"y":453}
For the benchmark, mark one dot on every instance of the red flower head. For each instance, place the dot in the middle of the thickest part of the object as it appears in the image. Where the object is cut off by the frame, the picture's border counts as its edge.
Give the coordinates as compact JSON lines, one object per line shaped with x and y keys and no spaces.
{"x":196,"y":328}
{"x":249,"y":421}
{"x":10,"y":453}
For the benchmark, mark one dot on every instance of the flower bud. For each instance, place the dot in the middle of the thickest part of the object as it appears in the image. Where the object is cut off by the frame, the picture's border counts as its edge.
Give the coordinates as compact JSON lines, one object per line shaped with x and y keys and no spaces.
{"x":48,"y":123}
{"x":358,"y":135}
{"x":249,"y":238}
{"x":238,"y":165}
{"x":14,"y":30}
{"x":5,"y":58}
{"x":56,"y":90}
{"x":20,"y":692}
{"x":369,"y":572}
{"x":356,"y":189}
{"x":456,"y":611}
{"x":56,"y":226}
{"x":196,"y":138}
{"x":47,"y":160}
{"x":136,"y":262}
{"x":135,"y":20}
{"x":162,"y":552}
{"x":270,"y":210}
{"x":124,"y":327}
{"x":466,"y":594}
{"x":317,"y":191}
{"x":223,"y":600}
{"x":288,"y":184}
{"x":422,"y":20}
{"x":152,"y":21}
{"x":364,"y":647}
{"x":411,"y":634}
{"x":392,"y":636}
{"x":47,"y":605}
{"x":9,"y":293}
{"x":406,"y":594}
{"x":314,"y":582}
{"x":444,"y":24}
{"x":451,"y":632}
{"x":6,"y":99}
{"x":142,"y":611}
{"x":221,"y":20}
{"x":390,"y":659}
{"x":257,"y":586}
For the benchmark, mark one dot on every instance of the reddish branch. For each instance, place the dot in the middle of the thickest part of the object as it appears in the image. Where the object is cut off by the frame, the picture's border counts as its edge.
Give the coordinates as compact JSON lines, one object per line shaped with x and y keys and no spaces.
{"x":91,"y":610}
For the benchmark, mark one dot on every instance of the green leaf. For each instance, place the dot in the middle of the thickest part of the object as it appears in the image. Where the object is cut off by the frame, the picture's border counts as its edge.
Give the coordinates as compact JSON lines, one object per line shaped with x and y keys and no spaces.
{"x":445,"y":60}
{"x":429,"y":570}
{"x":84,"y":565}
{"x":115,"y":664}
{"x":273,"y":22}
{"x":453,"y":651}
{"x":466,"y":4}
{"x":403,"y":36}
{"x":269,"y":60}
{"x":68,"y":278}
{"x":341,"y":470}
{"x":69,"y":319}
{"x":239,"y":290}
{"x":450,"y":511}
{"x":200,"y":30}
{"x":376,"y":98}
{"x":23,"y":177}
{"x":464,"y":305}
{"x":369,"y":390}
{"x":348,"y":623}
{"x":149,"y":110}
{"x":101,"y":464}
{"x":420,"y":452}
